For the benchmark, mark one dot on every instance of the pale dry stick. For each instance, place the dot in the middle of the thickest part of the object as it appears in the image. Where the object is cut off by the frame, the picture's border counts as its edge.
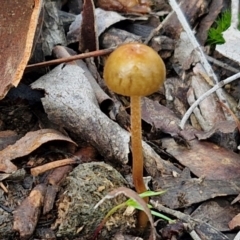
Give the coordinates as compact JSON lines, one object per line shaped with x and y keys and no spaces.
{"x":206,"y":94}
{"x":3,"y":187}
{"x":48,"y":166}
{"x":234,"y":13}
{"x":198,"y":50}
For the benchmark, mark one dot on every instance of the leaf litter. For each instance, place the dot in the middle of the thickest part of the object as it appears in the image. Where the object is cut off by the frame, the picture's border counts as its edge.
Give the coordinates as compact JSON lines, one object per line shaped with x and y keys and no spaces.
{"x":197,"y":163}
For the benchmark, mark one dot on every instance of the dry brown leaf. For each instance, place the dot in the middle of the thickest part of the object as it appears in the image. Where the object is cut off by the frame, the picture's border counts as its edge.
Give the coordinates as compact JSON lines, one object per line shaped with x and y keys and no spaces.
{"x":235,"y":222}
{"x":224,"y":134}
{"x":162,"y":118}
{"x":205,"y":159}
{"x":18,"y":24}
{"x":88,"y":40}
{"x":217,"y":213}
{"x":185,"y":192}
{"x":27,"y":144}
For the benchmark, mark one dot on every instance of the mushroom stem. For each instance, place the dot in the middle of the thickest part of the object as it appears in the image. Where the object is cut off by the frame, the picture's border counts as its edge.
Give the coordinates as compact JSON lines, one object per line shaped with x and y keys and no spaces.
{"x":136,"y":139}
{"x":137,"y":155}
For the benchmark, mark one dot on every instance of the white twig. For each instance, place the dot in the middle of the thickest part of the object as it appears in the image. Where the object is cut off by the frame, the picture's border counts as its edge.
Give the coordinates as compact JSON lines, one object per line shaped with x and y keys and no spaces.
{"x":234,"y":13}
{"x":206,"y":94}
{"x":193,"y":40}
{"x":199,"y":51}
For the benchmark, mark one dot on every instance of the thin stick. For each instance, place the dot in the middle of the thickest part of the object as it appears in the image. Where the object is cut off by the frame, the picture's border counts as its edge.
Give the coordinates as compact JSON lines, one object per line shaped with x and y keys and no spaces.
{"x":69,"y":59}
{"x":137,"y":155}
{"x":3,"y":187}
{"x":234,"y":13}
{"x":193,"y":40}
{"x":43,"y":168}
{"x":206,"y":94}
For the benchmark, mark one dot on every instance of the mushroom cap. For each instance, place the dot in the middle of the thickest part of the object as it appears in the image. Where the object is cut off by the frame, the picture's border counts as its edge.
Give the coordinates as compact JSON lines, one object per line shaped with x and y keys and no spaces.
{"x":134,"y":69}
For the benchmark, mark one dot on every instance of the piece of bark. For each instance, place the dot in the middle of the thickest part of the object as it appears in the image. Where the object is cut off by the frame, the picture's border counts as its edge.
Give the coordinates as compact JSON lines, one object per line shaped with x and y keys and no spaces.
{"x":18,"y":25}
{"x":54,"y":179}
{"x":49,"y":200}
{"x":27,"y":214}
{"x":102,"y":97}
{"x":155,"y":166}
{"x":71,"y":102}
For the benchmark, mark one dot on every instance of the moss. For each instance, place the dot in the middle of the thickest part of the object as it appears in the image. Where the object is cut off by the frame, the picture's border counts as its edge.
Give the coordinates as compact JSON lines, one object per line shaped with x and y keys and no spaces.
{"x":222,"y":23}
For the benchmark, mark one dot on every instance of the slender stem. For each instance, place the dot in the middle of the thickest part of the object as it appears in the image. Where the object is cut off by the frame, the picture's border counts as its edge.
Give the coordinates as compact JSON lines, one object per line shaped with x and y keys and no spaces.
{"x":137,"y":155}
{"x":136,"y":131}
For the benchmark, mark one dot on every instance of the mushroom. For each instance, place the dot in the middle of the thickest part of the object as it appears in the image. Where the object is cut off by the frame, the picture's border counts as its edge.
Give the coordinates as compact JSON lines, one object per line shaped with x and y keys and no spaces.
{"x":135,"y":70}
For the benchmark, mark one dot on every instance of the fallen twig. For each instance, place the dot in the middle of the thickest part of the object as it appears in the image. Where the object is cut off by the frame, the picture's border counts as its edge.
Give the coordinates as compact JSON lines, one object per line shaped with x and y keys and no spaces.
{"x":199,"y":51}
{"x":69,"y":59}
{"x":206,"y":94}
{"x":43,"y":168}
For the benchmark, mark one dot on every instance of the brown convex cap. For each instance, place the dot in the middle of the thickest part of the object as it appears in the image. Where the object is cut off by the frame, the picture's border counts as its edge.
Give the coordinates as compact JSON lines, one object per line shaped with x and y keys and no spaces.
{"x":134,"y":69}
